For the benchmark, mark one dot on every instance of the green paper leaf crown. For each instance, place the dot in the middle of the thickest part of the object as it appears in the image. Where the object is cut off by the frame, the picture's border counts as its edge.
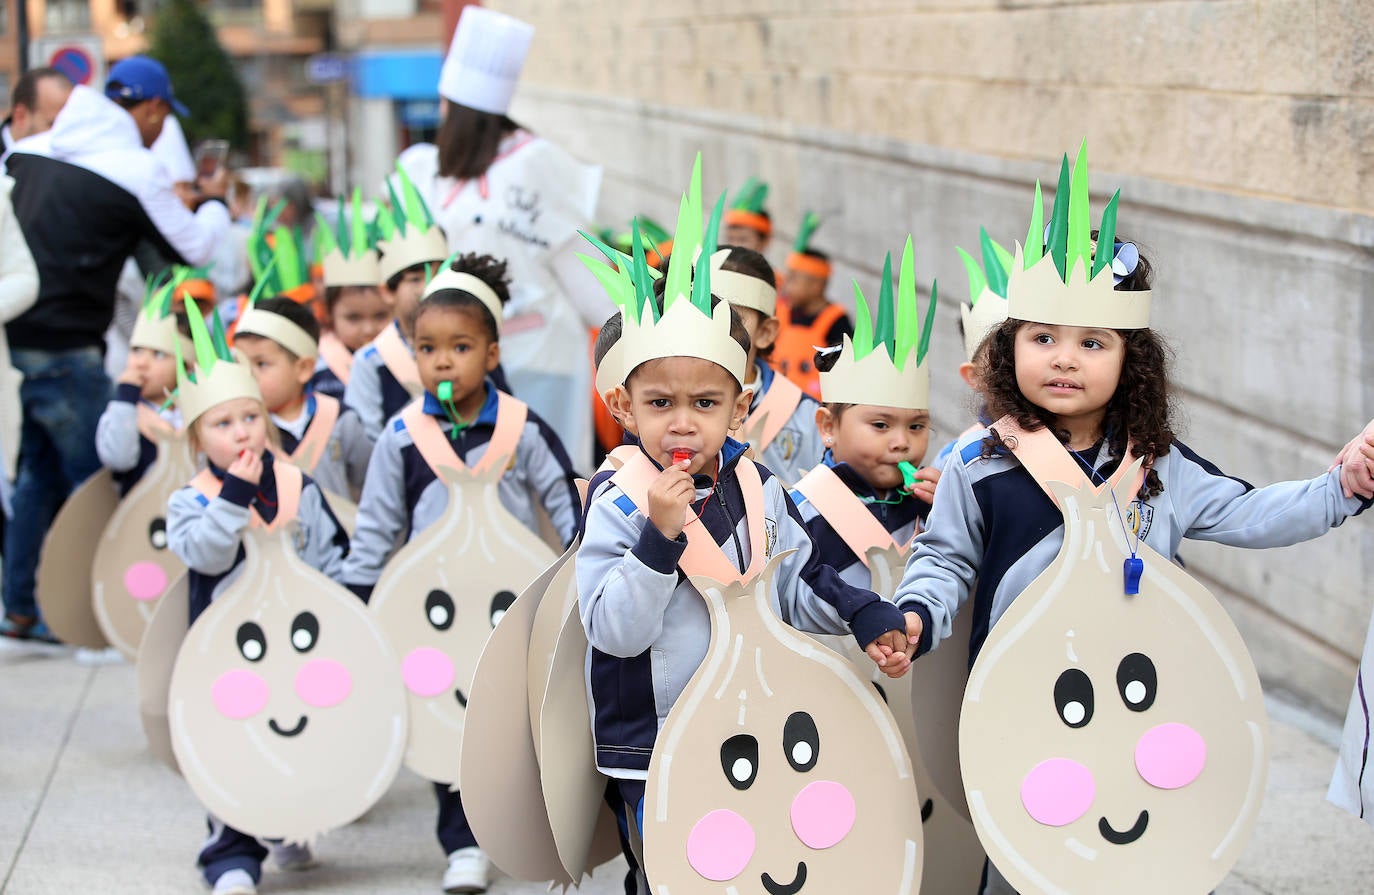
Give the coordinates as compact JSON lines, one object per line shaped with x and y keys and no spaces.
{"x":991,"y":275}
{"x":809,"y":224}
{"x":897,"y":327}
{"x":630,"y":283}
{"x":1061,"y":278}
{"x":352,"y":235}
{"x":1069,"y":238}
{"x":405,"y":212}
{"x":211,"y":345}
{"x":750,"y":197}
{"x":276,"y":255}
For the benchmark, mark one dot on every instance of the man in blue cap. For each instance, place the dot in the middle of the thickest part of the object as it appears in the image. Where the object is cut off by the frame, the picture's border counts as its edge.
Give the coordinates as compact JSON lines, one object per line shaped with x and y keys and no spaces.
{"x":87,"y":193}
{"x":140,"y":86}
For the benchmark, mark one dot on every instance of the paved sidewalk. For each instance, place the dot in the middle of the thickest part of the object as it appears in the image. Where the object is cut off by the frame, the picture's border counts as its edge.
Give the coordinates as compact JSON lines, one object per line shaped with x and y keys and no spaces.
{"x":84,"y":807}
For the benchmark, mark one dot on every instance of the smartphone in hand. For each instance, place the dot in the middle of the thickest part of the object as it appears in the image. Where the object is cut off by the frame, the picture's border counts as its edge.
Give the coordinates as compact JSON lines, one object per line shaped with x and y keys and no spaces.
{"x":211,"y":155}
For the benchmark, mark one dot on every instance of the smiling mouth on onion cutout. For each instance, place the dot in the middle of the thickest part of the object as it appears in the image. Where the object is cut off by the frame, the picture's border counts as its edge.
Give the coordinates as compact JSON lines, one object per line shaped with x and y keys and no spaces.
{"x":280,"y":731}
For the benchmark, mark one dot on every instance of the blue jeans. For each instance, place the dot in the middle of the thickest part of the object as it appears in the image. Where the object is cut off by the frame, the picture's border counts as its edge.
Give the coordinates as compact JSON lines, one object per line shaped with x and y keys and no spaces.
{"x":63,"y":395}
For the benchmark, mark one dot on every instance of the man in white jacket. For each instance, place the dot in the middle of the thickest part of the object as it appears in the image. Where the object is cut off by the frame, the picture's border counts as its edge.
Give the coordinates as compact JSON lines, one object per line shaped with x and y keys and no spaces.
{"x":86,"y":193}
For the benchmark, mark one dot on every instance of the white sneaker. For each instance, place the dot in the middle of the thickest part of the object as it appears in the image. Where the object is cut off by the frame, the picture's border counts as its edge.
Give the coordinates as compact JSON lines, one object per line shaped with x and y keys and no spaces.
{"x":468,"y":871}
{"x":292,"y":857}
{"x":235,"y":882}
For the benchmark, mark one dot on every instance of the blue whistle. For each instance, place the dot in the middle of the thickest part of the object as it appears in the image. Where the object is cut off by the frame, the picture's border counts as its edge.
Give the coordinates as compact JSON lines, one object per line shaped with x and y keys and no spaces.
{"x":1133,"y":568}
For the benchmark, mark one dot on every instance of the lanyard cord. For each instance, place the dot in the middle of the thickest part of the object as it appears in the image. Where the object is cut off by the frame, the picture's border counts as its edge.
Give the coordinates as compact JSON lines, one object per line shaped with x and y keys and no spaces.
{"x":1133,"y":566}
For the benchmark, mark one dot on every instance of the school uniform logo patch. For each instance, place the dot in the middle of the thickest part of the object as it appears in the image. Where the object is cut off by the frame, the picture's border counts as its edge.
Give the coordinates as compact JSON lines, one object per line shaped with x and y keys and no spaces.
{"x":770,"y":537}
{"x":787,"y":444}
{"x":1139,"y":515}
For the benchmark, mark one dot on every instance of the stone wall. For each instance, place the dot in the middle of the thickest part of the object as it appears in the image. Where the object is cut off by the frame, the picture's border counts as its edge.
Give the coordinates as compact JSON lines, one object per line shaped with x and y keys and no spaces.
{"x":1237,"y":133}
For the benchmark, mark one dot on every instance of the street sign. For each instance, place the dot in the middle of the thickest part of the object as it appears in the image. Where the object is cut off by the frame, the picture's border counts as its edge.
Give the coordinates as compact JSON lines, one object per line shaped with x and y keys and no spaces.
{"x":326,"y":68}
{"x":80,"y":57}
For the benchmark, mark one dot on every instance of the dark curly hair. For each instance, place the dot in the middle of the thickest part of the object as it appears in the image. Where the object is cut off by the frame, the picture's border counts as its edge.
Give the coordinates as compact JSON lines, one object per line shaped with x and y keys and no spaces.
{"x":486,"y":268}
{"x":1140,"y":411}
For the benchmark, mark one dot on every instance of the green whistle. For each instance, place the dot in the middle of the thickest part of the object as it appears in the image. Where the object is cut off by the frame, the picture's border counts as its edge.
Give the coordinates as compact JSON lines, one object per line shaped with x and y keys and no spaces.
{"x":445,"y":396}
{"x":909,"y":476}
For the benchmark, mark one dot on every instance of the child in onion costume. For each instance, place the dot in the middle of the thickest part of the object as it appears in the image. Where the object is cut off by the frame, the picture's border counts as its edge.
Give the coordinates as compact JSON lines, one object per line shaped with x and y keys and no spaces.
{"x":706,"y":676}
{"x":1113,"y":735}
{"x":455,"y":475}
{"x":863,"y":504}
{"x":145,"y":445}
{"x":281,"y":669}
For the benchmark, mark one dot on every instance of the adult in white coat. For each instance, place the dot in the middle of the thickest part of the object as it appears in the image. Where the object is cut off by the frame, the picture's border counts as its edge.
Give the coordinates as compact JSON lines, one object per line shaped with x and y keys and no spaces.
{"x":495,"y":187}
{"x":18,"y":291}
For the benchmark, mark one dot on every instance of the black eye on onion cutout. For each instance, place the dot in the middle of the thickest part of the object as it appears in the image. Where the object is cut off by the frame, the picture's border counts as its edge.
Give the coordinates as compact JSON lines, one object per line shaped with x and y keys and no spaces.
{"x":499,"y":604}
{"x":439,"y":610}
{"x":801,"y":742}
{"x":1073,"y":698}
{"x":1137,"y":682}
{"x":739,"y":759}
{"x":252,"y":642}
{"x":157,"y":533}
{"x":305,"y":631}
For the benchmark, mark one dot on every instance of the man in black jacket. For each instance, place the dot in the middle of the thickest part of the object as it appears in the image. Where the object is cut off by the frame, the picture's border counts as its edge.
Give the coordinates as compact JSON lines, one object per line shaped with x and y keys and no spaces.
{"x":85,"y":194}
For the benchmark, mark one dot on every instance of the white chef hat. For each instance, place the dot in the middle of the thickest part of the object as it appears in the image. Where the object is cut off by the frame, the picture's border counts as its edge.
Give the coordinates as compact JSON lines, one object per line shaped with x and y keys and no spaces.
{"x":484,"y":60}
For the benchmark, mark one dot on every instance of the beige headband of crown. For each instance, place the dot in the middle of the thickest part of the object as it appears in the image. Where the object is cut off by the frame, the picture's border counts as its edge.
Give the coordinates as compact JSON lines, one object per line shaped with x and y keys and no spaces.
{"x":272,"y":326}
{"x":742,"y":290}
{"x":466,"y":282}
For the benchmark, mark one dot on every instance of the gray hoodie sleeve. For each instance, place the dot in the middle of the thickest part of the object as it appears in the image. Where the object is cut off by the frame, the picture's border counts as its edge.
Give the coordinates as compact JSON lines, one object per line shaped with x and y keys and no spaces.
{"x":626,"y":574}
{"x":550,"y":476}
{"x":206,"y":534}
{"x":357,"y":449}
{"x":381,"y":512}
{"x":325,"y":546}
{"x":363,"y":394}
{"x":944,"y":560}
{"x":116,"y":434}
{"x":1211,"y":506}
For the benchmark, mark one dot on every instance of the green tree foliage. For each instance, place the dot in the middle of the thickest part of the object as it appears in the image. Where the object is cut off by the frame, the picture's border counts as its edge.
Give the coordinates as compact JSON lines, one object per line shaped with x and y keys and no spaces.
{"x":202,"y":74}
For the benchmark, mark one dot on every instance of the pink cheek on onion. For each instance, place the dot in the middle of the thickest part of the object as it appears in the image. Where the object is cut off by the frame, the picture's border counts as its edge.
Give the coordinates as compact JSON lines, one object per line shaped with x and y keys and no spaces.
{"x":822,"y":814}
{"x":239,"y":694}
{"x":145,"y":581}
{"x":721,"y":845}
{"x":323,"y":683}
{"x":1058,"y":792}
{"x":1170,"y":756}
{"x":427,"y":671}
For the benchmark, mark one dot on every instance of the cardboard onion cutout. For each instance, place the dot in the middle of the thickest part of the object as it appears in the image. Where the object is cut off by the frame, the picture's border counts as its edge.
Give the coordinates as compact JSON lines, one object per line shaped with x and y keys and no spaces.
{"x":63,"y":587}
{"x":927,"y":697}
{"x":779,"y":769}
{"x":440,"y":595}
{"x":1111,"y":742}
{"x":288,"y":715}
{"x":133,"y":567}
{"x":157,"y":656}
{"x":506,"y":811}
{"x":584,"y":828}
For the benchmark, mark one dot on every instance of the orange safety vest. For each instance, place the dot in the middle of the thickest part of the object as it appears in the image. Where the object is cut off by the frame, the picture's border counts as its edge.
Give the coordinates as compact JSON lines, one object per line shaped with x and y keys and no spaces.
{"x":794,"y":352}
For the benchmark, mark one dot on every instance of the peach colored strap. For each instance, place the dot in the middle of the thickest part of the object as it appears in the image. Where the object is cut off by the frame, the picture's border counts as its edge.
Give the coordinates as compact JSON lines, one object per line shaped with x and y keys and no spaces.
{"x":703,"y":555}
{"x":438,"y":452}
{"x":776,"y":408}
{"x":1048,"y":460}
{"x":337,"y":357}
{"x":845,"y":512}
{"x":311,"y":446}
{"x":151,"y":426}
{"x":398,"y":359}
{"x":290,"y":481}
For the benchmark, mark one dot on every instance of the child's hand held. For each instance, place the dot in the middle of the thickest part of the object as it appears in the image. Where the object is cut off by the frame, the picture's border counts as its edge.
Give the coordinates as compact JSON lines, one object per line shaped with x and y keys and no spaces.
{"x":669,"y":496}
{"x":248,"y":467}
